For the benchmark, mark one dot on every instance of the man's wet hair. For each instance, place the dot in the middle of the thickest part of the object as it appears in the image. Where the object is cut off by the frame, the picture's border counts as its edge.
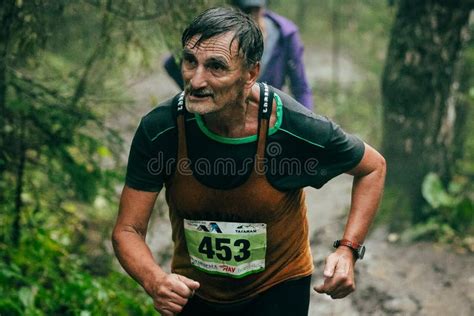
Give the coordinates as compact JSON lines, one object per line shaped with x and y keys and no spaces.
{"x":217,"y":21}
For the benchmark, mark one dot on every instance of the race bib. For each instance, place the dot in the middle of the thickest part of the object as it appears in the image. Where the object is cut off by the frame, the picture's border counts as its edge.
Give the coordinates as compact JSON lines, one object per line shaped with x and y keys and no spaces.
{"x":225,"y":248}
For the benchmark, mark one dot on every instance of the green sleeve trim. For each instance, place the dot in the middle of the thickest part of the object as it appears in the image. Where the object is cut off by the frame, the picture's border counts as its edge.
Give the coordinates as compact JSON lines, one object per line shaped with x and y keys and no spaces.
{"x":169,"y":128}
{"x":242,"y":140}
{"x":303,"y":139}
{"x":164,"y":131}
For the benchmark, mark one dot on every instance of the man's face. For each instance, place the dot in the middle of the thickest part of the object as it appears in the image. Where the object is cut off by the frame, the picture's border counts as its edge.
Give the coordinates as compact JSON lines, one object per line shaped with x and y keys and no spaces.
{"x":213,"y":73}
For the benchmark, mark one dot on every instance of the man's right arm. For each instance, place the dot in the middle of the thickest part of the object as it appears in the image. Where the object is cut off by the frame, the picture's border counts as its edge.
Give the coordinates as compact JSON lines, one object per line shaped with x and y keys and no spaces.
{"x":170,"y":292}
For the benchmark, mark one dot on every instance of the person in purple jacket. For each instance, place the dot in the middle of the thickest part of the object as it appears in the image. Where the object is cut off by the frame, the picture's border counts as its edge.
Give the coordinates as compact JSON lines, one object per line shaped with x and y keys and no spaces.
{"x":282,"y":57}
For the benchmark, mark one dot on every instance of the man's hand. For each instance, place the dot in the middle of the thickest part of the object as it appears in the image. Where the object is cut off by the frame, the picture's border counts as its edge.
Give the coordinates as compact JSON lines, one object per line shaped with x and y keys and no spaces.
{"x":171,"y":292}
{"x":338,"y":274}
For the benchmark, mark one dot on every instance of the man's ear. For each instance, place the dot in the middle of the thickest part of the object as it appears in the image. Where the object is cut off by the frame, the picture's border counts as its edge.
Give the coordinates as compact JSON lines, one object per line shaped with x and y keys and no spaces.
{"x":252,"y":75}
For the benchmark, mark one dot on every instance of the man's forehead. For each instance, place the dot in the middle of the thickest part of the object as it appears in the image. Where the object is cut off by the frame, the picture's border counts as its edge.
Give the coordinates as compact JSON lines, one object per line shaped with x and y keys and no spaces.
{"x":223,"y":43}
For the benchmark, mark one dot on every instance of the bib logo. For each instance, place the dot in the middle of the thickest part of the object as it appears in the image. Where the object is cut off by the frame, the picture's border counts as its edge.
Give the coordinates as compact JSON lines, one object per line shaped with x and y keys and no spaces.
{"x":213,"y":227}
{"x":246,"y":229}
{"x":227,"y":268}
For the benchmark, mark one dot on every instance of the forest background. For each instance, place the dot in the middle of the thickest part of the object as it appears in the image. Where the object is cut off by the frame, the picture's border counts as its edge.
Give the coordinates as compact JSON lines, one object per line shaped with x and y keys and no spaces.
{"x":397,"y":73}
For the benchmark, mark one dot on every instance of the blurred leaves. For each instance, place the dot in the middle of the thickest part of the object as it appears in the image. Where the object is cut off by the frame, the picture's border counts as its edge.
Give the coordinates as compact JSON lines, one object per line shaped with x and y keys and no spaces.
{"x":51,"y":280}
{"x":451,"y":212}
{"x":434,"y":193}
{"x":455,"y":206}
{"x":172,"y":16}
{"x":63,"y":68}
{"x":65,"y":64}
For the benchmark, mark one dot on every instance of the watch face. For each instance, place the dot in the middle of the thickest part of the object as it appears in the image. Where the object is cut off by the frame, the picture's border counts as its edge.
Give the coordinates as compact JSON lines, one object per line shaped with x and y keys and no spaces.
{"x":361,"y":252}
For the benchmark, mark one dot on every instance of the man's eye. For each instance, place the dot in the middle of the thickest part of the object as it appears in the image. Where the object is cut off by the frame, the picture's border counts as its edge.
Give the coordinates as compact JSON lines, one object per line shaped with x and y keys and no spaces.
{"x":189,"y":62}
{"x":216,"y":67}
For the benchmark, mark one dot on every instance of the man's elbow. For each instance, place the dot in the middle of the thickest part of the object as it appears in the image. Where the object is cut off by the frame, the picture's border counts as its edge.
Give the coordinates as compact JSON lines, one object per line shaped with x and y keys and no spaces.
{"x":119,"y":235}
{"x":382,"y":165}
{"x":116,"y":237}
{"x":123,"y":232}
{"x":379,"y":170}
{"x":374,"y":161}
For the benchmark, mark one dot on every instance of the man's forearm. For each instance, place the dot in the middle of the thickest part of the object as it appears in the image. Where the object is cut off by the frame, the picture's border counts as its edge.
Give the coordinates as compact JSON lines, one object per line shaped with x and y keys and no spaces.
{"x":136,"y":258}
{"x":366,"y":194}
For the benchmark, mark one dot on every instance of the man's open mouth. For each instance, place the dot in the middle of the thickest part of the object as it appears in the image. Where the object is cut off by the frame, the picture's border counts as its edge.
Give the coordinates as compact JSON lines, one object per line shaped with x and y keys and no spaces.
{"x":200,"y":94}
{"x":205,"y":95}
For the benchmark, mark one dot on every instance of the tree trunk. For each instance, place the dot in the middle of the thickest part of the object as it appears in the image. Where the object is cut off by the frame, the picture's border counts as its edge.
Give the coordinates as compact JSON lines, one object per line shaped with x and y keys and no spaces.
{"x":418,"y":85}
{"x":7,"y":16}
{"x":16,"y":229}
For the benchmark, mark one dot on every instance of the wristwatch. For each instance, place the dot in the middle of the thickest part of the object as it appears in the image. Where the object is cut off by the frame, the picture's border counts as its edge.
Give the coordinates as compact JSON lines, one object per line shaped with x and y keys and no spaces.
{"x":357,"y":249}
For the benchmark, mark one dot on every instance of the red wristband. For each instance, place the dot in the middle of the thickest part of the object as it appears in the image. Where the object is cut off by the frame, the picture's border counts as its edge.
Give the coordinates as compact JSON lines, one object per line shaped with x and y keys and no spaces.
{"x":350,"y":244}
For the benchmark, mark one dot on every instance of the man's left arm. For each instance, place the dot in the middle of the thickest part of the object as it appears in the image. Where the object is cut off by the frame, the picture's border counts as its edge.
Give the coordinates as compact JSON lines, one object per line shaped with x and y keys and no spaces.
{"x":367,"y":188}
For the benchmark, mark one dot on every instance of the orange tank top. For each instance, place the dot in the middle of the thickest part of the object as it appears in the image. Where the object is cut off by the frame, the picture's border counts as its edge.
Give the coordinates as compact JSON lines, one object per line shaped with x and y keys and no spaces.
{"x":288,"y":254}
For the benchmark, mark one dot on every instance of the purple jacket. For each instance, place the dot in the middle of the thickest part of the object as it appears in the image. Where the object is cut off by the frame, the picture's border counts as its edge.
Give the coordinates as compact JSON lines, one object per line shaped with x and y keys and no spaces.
{"x":286,"y":61}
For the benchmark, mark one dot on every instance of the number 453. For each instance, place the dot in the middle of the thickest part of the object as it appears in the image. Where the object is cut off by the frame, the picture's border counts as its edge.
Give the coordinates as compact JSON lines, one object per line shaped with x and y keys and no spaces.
{"x":222,"y":250}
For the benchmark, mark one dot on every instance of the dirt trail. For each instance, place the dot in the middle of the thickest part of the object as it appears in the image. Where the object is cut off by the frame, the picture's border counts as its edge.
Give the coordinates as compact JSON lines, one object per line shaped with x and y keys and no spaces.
{"x":393,"y":279}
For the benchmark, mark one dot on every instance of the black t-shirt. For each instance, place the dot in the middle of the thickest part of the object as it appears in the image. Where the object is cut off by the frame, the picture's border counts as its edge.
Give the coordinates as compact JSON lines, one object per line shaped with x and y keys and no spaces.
{"x":303,"y":149}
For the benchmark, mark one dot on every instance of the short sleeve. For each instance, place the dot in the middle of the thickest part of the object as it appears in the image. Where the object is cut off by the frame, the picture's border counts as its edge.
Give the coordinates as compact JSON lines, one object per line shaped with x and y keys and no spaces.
{"x":143,"y":169}
{"x":342,"y":152}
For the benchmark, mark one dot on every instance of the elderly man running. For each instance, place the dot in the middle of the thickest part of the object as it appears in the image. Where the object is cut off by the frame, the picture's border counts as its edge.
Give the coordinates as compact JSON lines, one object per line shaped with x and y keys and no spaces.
{"x":234,"y":156}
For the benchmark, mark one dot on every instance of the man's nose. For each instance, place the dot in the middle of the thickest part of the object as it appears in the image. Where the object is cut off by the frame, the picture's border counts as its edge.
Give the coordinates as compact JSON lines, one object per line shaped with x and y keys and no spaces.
{"x":199,"y":78}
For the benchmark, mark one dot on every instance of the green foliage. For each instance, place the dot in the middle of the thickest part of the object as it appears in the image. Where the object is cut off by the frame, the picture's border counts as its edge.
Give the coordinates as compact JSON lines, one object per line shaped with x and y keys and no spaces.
{"x":63,"y":68}
{"x":64,"y":73}
{"x":43,"y":277}
{"x":434,"y":193}
{"x":450,"y":213}
{"x":455,"y":206}
{"x":176,"y":15}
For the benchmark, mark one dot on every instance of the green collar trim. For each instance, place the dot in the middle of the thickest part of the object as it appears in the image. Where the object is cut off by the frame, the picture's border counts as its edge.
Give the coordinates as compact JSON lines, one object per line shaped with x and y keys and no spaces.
{"x":242,"y":140}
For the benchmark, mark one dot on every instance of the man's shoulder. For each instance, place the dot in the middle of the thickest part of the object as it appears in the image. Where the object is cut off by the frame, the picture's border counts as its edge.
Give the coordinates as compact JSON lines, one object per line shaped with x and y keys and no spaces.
{"x":160,"y":120}
{"x":286,"y":26}
{"x":302,"y":123}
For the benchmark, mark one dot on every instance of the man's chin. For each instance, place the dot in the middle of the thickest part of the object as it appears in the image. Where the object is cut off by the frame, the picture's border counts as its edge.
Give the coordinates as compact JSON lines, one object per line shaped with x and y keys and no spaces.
{"x":200,"y":108}
{"x":197,"y":108}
